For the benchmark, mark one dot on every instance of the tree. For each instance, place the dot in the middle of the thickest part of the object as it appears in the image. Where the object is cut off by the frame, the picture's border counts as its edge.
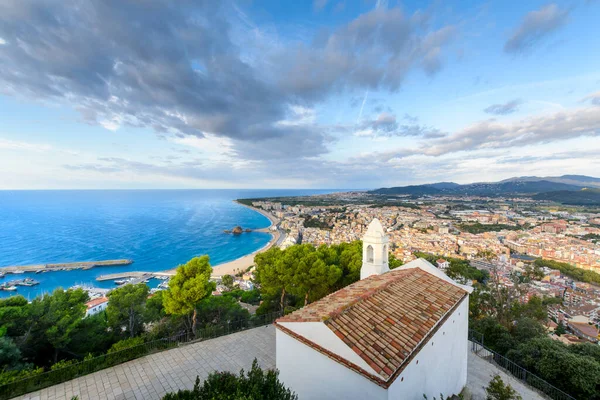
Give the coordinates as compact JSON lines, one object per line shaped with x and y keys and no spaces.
{"x":394,"y":262}
{"x":93,"y":335}
{"x":526,"y":329}
{"x":313,"y":278}
{"x":563,"y":366}
{"x":188,"y":287}
{"x":15,"y":316}
{"x":10,"y":355}
{"x":125,"y":344}
{"x":227,"y":281}
{"x":268,"y":266}
{"x":217,"y":310}
{"x":255,"y":385}
{"x":497,"y":390}
{"x":155,"y":309}
{"x":560,"y":329}
{"x":126,"y":307}
{"x":58,"y":315}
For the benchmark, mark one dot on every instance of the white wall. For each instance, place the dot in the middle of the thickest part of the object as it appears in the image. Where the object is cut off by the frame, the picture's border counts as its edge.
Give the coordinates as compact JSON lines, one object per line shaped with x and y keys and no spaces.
{"x":442,"y":363}
{"x":95,"y":310}
{"x":313,"y":375}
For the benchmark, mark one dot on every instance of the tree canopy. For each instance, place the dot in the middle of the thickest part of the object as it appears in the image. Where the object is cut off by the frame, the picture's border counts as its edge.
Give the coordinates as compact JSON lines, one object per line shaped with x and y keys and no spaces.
{"x":126,"y":306}
{"x":188,"y":287}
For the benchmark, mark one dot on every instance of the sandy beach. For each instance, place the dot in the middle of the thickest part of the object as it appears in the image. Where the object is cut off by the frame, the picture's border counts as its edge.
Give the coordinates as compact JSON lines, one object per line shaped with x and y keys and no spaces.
{"x":240,"y":264}
{"x":235,"y":266}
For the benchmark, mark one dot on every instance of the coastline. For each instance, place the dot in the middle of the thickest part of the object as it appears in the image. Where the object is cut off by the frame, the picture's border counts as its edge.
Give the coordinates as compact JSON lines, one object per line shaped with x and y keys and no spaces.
{"x":242,"y":263}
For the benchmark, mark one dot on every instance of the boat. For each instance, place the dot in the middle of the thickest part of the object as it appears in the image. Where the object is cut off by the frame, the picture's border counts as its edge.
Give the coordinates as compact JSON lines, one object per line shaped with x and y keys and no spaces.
{"x":28,"y":282}
{"x":121,"y":281}
{"x":18,"y":272}
{"x":9,"y":288}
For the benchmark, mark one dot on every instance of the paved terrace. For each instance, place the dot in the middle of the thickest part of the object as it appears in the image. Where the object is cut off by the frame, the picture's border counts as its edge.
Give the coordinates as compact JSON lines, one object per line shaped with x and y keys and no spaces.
{"x":152,"y":376}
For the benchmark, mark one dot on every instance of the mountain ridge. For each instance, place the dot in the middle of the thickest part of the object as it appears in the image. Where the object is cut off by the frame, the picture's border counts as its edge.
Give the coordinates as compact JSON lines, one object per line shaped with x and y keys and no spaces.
{"x":525,"y":185}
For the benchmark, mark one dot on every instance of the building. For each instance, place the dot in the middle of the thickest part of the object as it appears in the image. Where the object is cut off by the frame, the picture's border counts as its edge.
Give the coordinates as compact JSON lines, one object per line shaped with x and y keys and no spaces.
{"x":584,"y":331}
{"x":96,"y":305}
{"x":397,"y":334}
{"x":442,"y":264}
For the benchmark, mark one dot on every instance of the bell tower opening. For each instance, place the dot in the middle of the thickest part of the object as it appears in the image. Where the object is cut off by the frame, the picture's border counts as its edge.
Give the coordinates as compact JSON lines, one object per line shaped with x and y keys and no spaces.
{"x":375,"y":248}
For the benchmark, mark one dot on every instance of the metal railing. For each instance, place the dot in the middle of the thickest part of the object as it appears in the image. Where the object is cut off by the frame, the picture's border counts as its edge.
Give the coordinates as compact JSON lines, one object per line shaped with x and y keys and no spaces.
{"x":85,"y":367}
{"x":514,"y":369}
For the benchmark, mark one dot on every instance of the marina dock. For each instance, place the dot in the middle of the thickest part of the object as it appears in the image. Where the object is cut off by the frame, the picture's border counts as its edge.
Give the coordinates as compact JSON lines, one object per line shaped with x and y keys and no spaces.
{"x":133,"y":278}
{"x":63,"y":266}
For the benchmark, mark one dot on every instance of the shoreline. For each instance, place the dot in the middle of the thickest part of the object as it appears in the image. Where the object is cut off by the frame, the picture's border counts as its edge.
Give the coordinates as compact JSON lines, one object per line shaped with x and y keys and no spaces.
{"x":227,"y":268}
{"x":242,"y":263}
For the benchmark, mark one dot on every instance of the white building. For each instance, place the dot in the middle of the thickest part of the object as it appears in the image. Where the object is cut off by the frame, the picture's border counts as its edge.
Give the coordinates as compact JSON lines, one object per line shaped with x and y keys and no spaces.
{"x":96,"y":305}
{"x":397,"y":334}
{"x":442,"y":264}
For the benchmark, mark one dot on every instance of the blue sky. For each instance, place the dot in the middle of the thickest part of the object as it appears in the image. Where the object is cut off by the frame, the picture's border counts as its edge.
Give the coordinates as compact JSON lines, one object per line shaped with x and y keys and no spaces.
{"x":261,"y":94}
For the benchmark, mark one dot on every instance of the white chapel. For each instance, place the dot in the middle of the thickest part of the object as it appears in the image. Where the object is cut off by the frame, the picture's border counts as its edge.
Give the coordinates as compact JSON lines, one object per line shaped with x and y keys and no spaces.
{"x":397,"y":334}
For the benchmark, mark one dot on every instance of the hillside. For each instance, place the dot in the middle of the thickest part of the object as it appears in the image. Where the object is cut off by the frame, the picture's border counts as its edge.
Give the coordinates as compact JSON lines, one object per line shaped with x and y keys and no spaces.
{"x":585,"y":197}
{"x":567,"y":189}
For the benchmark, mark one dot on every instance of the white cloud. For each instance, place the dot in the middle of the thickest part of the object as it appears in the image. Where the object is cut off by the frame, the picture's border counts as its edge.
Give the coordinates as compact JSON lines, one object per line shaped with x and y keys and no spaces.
{"x":6,"y":144}
{"x":2,"y":41}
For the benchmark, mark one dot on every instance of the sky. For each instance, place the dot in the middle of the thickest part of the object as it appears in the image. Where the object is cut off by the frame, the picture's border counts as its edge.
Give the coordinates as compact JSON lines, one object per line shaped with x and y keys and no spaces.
{"x":128,"y":94}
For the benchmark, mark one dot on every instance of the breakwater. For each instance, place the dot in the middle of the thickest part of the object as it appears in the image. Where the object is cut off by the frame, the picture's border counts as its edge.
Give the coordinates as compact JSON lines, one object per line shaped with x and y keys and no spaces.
{"x":38,"y":268}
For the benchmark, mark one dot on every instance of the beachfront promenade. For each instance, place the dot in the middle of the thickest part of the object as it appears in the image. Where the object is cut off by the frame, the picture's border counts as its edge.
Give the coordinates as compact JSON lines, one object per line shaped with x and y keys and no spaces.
{"x":152,"y":376}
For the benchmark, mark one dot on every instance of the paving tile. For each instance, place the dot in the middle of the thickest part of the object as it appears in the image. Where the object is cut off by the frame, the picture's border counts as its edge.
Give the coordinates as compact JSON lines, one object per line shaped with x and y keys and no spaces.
{"x":151,"y":377}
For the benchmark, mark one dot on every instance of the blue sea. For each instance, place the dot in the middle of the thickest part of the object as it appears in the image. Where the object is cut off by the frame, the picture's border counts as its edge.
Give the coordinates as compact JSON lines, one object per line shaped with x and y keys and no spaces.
{"x":158,"y":229}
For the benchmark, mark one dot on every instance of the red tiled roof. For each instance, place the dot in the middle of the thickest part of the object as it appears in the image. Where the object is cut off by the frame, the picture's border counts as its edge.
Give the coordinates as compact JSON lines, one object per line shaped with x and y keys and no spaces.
{"x":383,"y":318}
{"x":95,"y":302}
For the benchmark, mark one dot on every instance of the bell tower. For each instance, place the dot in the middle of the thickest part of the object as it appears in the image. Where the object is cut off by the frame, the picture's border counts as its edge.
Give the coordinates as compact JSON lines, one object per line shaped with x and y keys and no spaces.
{"x":375,"y":251}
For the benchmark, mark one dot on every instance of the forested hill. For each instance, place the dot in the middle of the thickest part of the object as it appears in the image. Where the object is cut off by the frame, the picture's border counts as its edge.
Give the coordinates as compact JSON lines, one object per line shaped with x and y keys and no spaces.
{"x":570,"y":189}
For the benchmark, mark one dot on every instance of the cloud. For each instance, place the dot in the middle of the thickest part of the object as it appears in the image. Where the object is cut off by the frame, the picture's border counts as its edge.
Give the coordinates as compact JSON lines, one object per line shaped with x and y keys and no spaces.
{"x":6,"y":144}
{"x":593,"y":98}
{"x":374,"y":51}
{"x":492,"y":134}
{"x":504,"y":109}
{"x":535,"y":26}
{"x":386,"y":125}
{"x":204,"y":68}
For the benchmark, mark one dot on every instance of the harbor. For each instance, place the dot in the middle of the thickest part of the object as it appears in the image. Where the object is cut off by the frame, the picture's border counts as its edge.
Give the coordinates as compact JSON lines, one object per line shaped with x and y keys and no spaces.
{"x":41,"y":268}
{"x":11,"y":286}
{"x":135,"y":277}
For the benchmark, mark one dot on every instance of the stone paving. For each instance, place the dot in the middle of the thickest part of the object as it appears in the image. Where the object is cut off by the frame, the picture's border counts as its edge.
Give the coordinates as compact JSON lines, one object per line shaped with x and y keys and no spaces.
{"x":152,"y":376}
{"x":480,"y":373}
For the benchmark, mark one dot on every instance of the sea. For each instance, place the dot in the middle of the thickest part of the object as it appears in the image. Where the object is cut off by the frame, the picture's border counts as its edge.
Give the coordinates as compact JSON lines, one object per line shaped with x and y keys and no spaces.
{"x":157,"y":229}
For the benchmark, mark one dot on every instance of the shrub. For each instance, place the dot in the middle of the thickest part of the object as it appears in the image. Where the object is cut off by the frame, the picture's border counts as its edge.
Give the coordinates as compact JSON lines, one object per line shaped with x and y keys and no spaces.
{"x":125,"y":344}
{"x":255,"y":385}
{"x":497,"y":390}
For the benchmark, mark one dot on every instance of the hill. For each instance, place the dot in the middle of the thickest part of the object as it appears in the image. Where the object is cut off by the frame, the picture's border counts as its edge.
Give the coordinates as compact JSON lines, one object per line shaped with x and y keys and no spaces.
{"x":566,"y":189}
{"x":585,"y":197}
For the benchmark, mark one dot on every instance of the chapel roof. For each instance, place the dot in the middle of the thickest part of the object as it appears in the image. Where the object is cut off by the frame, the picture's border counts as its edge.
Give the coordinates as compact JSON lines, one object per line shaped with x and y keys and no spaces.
{"x":384,"y":318}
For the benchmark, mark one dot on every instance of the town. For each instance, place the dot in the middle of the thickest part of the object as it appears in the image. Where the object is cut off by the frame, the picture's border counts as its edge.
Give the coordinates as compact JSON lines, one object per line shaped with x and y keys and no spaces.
{"x":503,"y":236}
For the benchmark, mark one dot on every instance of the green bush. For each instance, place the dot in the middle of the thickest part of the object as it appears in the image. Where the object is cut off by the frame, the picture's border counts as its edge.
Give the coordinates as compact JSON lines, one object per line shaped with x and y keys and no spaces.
{"x":126,"y":343}
{"x":251,"y":297}
{"x":255,"y":385}
{"x":497,"y":390}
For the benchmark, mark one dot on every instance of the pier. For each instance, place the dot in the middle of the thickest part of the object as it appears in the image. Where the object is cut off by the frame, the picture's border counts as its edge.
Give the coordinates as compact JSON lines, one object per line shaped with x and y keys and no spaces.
{"x":134,"y":277}
{"x":64,"y":266}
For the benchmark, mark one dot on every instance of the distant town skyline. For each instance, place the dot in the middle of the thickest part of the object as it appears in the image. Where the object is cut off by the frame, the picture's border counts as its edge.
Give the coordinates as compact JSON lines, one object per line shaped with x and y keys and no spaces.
{"x":305,"y":94}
